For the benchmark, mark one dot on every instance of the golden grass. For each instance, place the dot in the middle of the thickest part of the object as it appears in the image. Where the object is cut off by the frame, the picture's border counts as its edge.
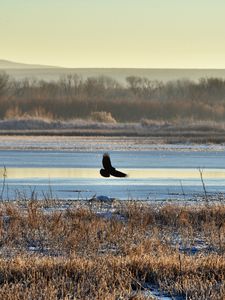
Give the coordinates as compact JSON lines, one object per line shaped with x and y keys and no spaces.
{"x":82,"y":253}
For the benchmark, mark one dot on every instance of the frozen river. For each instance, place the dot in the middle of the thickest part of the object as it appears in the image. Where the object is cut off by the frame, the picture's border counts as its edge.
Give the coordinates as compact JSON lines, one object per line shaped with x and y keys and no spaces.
{"x":68,"y":168}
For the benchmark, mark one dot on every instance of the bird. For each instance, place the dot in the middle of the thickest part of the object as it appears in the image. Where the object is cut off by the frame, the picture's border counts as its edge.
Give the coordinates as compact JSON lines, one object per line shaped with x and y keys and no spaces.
{"x":109,"y":169}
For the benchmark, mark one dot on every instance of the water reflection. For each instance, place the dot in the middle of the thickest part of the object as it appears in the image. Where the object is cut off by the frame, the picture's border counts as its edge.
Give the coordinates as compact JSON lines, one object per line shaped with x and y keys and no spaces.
{"x":156,"y":175}
{"x":88,"y":173}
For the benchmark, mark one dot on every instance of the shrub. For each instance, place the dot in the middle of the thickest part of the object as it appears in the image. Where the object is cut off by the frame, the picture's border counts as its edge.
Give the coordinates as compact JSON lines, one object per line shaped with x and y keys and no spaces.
{"x":102,"y":116}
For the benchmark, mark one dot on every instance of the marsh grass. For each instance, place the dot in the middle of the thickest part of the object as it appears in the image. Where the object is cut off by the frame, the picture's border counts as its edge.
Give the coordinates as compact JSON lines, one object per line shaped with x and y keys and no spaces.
{"x":53,"y":250}
{"x":158,"y":131}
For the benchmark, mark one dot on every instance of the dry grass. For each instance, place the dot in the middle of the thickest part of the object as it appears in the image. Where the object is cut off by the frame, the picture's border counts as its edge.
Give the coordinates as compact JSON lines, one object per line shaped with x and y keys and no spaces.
{"x":87,"y":252}
{"x":102,"y":117}
{"x":158,"y":131}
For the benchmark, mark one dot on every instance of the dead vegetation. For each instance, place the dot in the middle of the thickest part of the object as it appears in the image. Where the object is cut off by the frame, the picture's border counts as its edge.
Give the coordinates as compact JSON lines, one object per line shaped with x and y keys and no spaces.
{"x":83,"y":250}
{"x":72,"y":97}
{"x":158,"y":131}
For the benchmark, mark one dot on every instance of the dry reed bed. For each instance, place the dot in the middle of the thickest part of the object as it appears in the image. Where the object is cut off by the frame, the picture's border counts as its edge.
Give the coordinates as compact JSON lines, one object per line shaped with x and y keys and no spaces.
{"x":90,"y":251}
{"x":159,"y":131}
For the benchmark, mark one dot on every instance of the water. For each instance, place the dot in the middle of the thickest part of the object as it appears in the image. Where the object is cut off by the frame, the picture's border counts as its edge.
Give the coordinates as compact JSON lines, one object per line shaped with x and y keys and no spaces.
{"x":162,"y":173}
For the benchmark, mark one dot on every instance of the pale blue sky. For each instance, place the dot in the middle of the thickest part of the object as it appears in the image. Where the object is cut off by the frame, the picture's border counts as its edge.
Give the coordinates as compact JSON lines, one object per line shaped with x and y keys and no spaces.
{"x":114,"y":33}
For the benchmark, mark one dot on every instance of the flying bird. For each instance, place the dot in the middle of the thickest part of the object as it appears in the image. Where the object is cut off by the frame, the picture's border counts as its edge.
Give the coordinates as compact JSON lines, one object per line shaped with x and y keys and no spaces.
{"x":109,"y":169}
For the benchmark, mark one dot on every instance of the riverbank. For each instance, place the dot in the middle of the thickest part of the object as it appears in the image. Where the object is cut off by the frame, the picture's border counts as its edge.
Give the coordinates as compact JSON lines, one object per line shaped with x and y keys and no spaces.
{"x":157,"y":132}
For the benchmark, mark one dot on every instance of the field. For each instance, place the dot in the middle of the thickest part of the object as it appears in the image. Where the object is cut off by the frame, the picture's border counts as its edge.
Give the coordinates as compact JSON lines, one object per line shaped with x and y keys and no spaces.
{"x":119,"y":250}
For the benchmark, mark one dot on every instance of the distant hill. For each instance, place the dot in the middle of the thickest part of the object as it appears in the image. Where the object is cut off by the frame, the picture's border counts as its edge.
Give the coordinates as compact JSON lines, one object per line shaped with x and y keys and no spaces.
{"x":20,"y":71}
{"x":7,"y":64}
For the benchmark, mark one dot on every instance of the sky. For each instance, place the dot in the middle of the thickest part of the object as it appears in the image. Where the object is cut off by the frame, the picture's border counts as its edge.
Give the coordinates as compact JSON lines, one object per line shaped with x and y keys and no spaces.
{"x":114,"y":33}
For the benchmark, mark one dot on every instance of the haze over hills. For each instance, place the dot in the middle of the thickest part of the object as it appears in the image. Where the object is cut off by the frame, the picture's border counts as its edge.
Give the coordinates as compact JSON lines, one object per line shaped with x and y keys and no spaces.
{"x":21,"y":70}
{"x":7,"y":64}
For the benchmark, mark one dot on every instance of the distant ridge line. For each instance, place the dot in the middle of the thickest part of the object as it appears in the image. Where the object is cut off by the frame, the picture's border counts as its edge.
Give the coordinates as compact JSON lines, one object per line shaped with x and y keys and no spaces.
{"x":21,"y":71}
{"x":5,"y":64}
{"x":8,"y":64}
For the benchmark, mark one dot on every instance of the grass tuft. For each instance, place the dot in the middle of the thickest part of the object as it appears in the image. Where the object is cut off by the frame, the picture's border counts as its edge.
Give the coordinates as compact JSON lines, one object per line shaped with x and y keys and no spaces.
{"x":81,"y":253}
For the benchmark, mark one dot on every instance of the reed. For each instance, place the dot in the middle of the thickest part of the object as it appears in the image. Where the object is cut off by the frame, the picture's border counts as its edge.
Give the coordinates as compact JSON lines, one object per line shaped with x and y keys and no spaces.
{"x":95,"y":252}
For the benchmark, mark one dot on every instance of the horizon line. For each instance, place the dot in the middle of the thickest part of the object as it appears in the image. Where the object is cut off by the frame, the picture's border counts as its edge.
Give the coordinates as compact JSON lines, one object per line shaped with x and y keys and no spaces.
{"x":43,"y":66}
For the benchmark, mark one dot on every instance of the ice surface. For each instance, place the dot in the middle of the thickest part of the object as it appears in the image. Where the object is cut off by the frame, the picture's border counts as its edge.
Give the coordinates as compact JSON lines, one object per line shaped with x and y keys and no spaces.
{"x":73,"y":143}
{"x":68,"y":168}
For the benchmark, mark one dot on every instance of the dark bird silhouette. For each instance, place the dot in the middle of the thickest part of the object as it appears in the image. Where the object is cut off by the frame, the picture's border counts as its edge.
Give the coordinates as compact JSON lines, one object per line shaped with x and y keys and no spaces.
{"x":109,"y":169}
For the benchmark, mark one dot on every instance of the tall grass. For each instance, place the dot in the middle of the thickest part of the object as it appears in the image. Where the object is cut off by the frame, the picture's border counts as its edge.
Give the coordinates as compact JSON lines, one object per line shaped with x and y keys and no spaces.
{"x":81,"y":253}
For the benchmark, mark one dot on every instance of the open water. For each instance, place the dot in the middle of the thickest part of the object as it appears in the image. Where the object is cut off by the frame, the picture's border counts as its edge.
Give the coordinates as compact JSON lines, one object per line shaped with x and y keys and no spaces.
{"x":160,"y":173}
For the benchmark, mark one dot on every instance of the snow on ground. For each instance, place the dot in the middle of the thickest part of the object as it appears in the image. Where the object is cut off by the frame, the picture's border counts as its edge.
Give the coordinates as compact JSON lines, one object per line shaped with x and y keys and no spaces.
{"x":73,"y":143}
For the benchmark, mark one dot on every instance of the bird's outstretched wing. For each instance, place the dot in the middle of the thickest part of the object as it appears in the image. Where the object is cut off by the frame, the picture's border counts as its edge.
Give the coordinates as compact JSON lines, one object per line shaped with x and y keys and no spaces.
{"x":116,"y":173}
{"x":108,"y":168}
{"x":106,"y":162}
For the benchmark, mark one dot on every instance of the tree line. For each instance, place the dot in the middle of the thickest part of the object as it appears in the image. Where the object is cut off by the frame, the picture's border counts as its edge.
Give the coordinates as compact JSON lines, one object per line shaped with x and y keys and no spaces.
{"x":72,"y":97}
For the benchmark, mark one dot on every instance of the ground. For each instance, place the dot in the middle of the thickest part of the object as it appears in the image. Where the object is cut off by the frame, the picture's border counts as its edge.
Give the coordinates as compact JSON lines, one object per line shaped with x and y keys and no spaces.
{"x":53,"y":249}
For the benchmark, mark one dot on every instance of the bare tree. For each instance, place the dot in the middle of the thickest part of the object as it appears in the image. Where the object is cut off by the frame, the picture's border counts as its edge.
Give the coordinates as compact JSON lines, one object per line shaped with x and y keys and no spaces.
{"x":4,"y":83}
